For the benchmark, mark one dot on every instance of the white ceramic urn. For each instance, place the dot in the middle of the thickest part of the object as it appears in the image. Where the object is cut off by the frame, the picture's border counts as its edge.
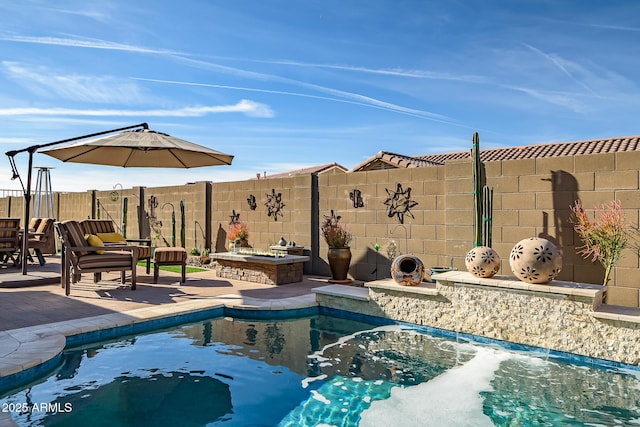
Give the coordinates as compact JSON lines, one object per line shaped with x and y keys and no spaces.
{"x":535,"y":260}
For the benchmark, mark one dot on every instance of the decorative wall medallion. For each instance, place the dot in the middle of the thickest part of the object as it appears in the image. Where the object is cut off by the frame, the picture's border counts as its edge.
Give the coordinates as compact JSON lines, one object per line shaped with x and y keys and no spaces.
{"x":400,"y":203}
{"x":535,"y":260}
{"x":482,"y":261}
{"x":251,"y":200}
{"x":274,"y":204}
{"x":356,"y":198}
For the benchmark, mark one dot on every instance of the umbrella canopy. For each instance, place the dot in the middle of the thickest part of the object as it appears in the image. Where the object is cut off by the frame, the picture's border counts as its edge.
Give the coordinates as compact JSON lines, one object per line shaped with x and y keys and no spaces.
{"x":142,"y":148}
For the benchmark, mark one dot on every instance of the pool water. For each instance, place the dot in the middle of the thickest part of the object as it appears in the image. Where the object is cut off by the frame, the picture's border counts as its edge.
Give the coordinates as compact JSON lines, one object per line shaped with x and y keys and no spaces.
{"x":318,"y":371}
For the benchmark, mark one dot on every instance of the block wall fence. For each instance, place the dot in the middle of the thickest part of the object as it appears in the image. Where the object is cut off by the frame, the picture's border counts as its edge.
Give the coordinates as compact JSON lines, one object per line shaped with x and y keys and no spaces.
{"x":532,"y":198}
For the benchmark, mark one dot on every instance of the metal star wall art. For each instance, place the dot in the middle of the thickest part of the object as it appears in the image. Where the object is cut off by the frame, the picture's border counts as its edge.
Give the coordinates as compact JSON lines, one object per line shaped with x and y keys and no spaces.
{"x":400,"y":203}
{"x":274,"y":204}
{"x":235,"y":217}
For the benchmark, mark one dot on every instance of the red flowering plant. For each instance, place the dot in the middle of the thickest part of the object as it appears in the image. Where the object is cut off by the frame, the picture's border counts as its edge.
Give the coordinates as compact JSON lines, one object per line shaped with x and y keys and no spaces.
{"x":239,"y":231}
{"x":604,"y":237}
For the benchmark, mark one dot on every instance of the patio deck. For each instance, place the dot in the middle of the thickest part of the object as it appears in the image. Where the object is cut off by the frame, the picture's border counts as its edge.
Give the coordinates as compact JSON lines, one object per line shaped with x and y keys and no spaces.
{"x":38,"y":299}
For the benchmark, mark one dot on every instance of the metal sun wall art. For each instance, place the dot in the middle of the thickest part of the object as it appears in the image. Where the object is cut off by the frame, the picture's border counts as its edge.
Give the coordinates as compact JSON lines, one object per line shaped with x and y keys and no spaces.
{"x":274,"y":204}
{"x":400,"y":203}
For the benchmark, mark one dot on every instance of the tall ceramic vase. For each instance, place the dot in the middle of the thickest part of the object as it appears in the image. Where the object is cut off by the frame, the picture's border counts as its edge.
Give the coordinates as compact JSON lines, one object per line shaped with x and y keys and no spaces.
{"x":339,"y":261}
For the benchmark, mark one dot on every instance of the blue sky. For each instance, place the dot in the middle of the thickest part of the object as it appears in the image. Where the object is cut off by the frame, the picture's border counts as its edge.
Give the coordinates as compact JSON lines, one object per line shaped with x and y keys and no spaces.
{"x":288,"y":84}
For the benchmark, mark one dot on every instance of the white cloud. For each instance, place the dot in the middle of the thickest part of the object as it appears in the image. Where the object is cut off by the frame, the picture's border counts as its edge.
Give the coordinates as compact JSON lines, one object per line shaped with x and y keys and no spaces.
{"x":102,"y":89}
{"x":84,"y":43}
{"x":397,"y":72}
{"x":354,"y":97}
{"x":249,"y":108}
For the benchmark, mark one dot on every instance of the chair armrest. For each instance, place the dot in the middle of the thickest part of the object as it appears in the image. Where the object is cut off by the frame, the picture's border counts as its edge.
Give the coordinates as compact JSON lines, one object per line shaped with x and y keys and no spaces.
{"x":145,"y":241}
{"x":101,"y":248}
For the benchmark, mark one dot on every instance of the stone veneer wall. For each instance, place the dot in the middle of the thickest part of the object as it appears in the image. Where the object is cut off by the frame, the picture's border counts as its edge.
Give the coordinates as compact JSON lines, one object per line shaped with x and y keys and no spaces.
{"x":270,"y":274}
{"x":563,"y":317}
{"x":532,"y":197}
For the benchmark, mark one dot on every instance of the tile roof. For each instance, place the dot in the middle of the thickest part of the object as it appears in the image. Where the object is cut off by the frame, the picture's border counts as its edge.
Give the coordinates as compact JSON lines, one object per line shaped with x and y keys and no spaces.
{"x":308,"y":170}
{"x":398,"y":160}
{"x":592,"y":146}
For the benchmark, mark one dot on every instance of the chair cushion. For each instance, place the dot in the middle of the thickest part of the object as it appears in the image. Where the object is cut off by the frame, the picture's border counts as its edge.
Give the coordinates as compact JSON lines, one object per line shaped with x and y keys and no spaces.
{"x":94,"y":240}
{"x":108,"y":259}
{"x":95,"y":226}
{"x":45,"y":225}
{"x":9,"y":233}
{"x":75,"y":236}
{"x":144,"y":252}
{"x":111,"y":237}
{"x":167,"y":255}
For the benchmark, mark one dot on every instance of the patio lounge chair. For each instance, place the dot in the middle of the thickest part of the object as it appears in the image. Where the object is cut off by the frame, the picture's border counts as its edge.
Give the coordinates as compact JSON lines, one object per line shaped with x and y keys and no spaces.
{"x":34,"y":223}
{"x":105,"y":230}
{"x":40,"y":239}
{"x":9,"y":241}
{"x":78,"y":256}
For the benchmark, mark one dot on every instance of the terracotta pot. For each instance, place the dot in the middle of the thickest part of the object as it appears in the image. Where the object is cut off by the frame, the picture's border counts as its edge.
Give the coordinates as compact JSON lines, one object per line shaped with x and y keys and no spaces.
{"x":339,"y":260}
{"x":482,"y":261}
{"x":407,"y":270}
{"x":535,"y":260}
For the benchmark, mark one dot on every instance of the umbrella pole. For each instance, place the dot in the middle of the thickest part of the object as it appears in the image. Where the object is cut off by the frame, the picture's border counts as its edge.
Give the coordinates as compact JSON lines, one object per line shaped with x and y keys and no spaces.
{"x":24,"y":254}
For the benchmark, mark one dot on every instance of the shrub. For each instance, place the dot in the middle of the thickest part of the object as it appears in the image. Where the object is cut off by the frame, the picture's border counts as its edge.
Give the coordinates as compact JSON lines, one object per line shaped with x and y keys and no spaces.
{"x":335,"y":234}
{"x":239,"y":231}
{"x":604,"y":237}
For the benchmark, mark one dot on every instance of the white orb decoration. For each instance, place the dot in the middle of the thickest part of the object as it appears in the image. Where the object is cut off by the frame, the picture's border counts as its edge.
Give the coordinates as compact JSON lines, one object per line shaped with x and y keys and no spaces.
{"x":535,"y":260}
{"x":482,"y":261}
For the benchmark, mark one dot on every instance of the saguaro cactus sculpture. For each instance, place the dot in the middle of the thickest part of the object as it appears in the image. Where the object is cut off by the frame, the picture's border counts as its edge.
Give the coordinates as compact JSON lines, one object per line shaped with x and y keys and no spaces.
{"x":482,"y":199}
{"x":125,"y":208}
{"x":183,"y":233}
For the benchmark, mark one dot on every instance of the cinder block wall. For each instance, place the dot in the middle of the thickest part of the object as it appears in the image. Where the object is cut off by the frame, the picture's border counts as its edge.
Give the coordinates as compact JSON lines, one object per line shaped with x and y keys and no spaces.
{"x":292,"y":221}
{"x":421,"y":231}
{"x":74,"y":206}
{"x":532,"y":197}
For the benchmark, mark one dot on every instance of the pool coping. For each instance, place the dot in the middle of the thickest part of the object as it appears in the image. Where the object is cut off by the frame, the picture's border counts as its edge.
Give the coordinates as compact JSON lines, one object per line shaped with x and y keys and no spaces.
{"x":29,"y":352}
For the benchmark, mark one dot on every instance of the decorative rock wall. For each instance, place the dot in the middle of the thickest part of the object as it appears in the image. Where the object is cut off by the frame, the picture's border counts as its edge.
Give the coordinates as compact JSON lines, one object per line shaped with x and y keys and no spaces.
{"x":260,"y":272}
{"x":562,"y":316}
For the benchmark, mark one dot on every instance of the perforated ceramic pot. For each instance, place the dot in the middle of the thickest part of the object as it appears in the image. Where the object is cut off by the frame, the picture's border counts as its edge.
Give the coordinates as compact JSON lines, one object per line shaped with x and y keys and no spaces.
{"x":482,"y":261}
{"x":407,"y":270}
{"x":535,"y":260}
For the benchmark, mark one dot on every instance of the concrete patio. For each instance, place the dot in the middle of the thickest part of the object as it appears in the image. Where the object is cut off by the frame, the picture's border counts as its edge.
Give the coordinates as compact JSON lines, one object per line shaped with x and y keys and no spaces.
{"x":37,"y":298}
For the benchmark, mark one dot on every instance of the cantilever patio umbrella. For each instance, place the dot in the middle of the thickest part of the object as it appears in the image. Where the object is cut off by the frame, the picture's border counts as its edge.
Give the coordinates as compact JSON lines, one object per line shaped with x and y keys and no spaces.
{"x":131,"y":148}
{"x":142,"y":148}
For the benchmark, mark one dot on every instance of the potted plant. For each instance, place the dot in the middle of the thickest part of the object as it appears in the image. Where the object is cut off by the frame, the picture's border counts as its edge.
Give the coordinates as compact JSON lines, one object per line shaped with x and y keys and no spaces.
{"x":204,"y":257}
{"x":604,"y":237}
{"x":239,"y":234}
{"x":338,"y":238}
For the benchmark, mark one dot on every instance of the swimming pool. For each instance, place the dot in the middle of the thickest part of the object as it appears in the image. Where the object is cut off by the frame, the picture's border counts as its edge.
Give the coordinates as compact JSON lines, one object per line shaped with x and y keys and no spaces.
{"x":317,"y":371}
